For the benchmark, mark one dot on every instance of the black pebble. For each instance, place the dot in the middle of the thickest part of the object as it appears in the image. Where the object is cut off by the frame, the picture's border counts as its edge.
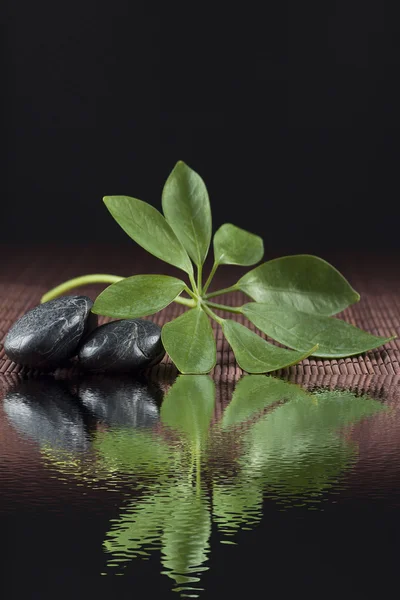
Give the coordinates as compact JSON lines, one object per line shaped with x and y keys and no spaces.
{"x":121,"y":346}
{"x":50,"y":333}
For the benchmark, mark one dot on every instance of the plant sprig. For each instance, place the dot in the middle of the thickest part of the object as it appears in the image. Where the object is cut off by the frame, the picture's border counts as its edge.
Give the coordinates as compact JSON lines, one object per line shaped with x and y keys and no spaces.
{"x":294,"y":297}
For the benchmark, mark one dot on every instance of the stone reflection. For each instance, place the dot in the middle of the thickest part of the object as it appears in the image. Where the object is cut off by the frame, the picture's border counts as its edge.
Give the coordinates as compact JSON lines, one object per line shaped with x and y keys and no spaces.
{"x":45,"y":411}
{"x":60,"y":414}
{"x":121,"y":402}
{"x":184,"y":468}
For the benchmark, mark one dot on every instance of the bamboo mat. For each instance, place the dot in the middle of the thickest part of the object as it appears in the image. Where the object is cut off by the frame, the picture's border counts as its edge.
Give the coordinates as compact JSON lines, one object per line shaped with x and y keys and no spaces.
{"x":26,"y":274}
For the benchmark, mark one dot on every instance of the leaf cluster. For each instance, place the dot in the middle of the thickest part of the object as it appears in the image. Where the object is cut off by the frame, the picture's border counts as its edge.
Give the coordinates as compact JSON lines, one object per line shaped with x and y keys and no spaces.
{"x":294,"y":299}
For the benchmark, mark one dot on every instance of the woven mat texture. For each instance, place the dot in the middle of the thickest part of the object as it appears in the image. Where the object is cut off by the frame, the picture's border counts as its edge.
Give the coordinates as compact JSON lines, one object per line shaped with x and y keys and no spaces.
{"x":26,"y":274}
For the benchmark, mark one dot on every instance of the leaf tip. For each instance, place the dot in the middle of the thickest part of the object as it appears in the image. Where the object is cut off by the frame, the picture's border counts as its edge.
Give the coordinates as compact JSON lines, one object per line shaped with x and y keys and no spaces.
{"x":180,"y":165}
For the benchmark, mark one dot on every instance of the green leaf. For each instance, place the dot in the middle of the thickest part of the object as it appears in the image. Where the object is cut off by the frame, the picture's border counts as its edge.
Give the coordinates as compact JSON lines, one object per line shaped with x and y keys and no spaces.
{"x":138,"y":296}
{"x":256,"y":355}
{"x":254,"y":393}
{"x":188,"y":407}
{"x":301,"y":282}
{"x":235,"y":246}
{"x":187,"y":209}
{"x":147,"y":226}
{"x":335,"y":338}
{"x":189,"y":340}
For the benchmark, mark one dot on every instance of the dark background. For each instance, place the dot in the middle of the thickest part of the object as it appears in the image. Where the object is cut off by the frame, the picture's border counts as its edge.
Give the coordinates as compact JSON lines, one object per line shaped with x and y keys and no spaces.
{"x":290,"y":114}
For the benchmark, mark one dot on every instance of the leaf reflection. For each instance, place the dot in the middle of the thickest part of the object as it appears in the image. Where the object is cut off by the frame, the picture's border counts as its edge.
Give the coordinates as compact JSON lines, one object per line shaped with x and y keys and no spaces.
{"x":296,"y":449}
{"x":189,"y":406}
{"x":274,"y":441}
{"x":255,"y":393}
{"x":292,"y":454}
{"x":174,"y":515}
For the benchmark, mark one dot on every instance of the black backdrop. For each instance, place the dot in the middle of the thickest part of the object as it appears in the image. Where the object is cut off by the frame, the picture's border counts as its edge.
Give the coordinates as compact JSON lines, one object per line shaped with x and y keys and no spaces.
{"x":290,"y":114}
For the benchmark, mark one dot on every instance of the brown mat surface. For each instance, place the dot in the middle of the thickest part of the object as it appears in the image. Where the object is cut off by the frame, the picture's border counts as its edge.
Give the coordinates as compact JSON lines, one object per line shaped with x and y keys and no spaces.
{"x":26,"y":274}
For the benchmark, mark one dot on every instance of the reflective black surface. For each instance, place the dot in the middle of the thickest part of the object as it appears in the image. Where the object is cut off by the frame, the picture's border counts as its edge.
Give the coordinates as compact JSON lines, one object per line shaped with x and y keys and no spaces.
{"x":198,"y":490}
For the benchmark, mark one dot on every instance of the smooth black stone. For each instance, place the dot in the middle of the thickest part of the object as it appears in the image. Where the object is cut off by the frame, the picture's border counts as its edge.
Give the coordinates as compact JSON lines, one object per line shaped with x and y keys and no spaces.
{"x":50,"y":333}
{"x":121,"y":346}
{"x":47,"y":413}
{"x":121,"y":402}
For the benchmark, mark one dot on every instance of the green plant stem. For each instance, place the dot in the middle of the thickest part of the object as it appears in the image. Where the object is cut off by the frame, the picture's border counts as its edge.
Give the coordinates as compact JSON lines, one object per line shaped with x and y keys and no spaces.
{"x":71,"y":284}
{"x":78,"y":282}
{"x":212,"y":314}
{"x":199,"y":278}
{"x":232,"y":309}
{"x":233,"y":288}
{"x":210,"y":277}
{"x":191,"y":293}
{"x":185,"y":301}
{"x":193,"y":283}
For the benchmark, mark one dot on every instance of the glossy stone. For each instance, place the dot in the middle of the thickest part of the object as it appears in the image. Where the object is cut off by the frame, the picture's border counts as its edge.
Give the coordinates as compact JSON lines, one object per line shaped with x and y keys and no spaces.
{"x":121,"y":346}
{"x":121,"y":401}
{"x":48,"y":414}
{"x":50,"y":333}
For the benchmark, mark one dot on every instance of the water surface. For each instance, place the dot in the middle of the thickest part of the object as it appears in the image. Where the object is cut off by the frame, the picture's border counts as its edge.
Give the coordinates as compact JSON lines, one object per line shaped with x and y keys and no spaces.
{"x":198,"y":489}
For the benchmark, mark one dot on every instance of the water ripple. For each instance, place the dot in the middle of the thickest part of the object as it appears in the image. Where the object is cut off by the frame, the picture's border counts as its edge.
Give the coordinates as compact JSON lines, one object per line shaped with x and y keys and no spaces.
{"x":181,"y":473}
